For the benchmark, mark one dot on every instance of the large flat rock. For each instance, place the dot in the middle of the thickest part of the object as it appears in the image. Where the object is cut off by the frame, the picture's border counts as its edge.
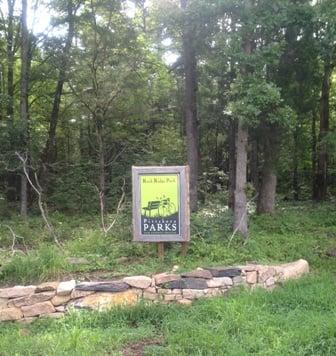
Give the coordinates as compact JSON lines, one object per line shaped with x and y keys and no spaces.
{"x":187,"y":283}
{"x":17,"y":291}
{"x":3,"y":303}
{"x":10,"y":314}
{"x":162,"y":278}
{"x":292,"y":270}
{"x":217,"y":282}
{"x":38,"y":309}
{"x":198,"y":273}
{"x":60,"y":299}
{"x":65,"y":288}
{"x":224,"y":271}
{"x":47,"y":287}
{"x":106,"y":301}
{"x":31,"y":299}
{"x":112,"y":287}
{"x":141,"y":282}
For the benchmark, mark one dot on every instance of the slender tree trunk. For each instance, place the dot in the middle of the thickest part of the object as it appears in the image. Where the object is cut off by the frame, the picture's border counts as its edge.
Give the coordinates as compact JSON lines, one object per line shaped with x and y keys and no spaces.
{"x":102,"y":174}
{"x":254,"y":164}
{"x":1,"y":92}
{"x":267,"y":191}
{"x":24,"y":100}
{"x":240,"y":223}
{"x":314,"y":154}
{"x":322,"y":173}
{"x":240,"y":209}
{"x":232,"y":163}
{"x":190,"y":108}
{"x":50,"y":151}
{"x":10,"y":53}
{"x":296,"y":188}
{"x":10,"y":61}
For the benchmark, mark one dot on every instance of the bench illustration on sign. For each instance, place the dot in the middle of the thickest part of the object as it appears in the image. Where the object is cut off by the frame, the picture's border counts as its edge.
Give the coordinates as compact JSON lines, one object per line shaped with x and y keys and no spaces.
{"x":162,"y":207}
{"x":159,"y":199}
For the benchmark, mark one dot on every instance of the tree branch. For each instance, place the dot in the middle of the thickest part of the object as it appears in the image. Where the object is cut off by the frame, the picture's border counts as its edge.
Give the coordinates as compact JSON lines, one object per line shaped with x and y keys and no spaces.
{"x":38,"y":190}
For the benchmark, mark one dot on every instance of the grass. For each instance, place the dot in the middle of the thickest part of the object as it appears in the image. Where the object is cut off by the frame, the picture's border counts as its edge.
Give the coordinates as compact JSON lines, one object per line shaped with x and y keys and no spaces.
{"x":301,"y":231}
{"x":297,"y":318}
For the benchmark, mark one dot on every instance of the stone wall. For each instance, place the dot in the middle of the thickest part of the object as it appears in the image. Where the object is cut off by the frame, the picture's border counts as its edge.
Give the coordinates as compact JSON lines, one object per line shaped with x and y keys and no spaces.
{"x":54,"y":299}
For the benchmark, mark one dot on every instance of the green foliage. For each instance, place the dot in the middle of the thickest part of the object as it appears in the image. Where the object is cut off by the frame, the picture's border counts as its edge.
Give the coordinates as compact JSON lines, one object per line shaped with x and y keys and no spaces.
{"x":74,"y":191}
{"x":255,"y":100}
{"x":299,"y":231}
{"x":296,"y":318}
{"x":46,"y":262}
{"x":161,"y":151}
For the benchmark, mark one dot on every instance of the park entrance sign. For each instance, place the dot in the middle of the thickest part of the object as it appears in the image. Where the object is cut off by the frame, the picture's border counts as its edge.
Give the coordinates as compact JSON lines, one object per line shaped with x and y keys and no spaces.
{"x":161,"y":203}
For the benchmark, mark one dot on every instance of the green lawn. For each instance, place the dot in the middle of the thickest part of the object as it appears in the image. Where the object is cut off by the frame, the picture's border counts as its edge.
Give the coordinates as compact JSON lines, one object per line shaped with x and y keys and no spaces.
{"x":297,"y":318}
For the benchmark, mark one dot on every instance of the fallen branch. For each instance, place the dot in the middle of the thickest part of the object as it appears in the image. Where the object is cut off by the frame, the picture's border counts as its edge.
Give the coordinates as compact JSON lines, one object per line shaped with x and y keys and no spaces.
{"x":119,"y":208}
{"x":105,"y":228}
{"x":14,"y":239}
{"x":42,"y":206}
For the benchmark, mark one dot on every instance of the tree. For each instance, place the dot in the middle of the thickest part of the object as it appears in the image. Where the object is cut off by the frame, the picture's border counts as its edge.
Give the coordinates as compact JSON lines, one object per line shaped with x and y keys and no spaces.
{"x":326,"y":36}
{"x":50,"y":151}
{"x":25,"y":63}
{"x":190,"y":104}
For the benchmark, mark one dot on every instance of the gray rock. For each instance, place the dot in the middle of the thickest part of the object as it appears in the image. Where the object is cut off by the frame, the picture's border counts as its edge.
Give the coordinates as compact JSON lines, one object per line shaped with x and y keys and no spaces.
{"x":112,"y":287}
{"x":65,"y":288}
{"x":173,"y":284}
{"x":141,"y":282}
{"x":163,"y":278}
{"x":237,"y":280}
{"x":187,"y":283}
{"x":219,"y":282}
{"x":203,"y":273}
{"x":194,"y":283}
{"x":224,"y":271}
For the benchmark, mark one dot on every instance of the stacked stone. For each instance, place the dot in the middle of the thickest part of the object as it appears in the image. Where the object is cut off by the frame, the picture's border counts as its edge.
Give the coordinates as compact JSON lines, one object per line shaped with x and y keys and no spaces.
{"x":201,"y":283}
{"x":53,"y":299}
{"x":27,"y":303}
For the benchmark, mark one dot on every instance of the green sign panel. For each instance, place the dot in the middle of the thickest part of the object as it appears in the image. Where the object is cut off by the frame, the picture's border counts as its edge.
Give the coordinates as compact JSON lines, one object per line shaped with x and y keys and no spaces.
{"x":160,"y":203}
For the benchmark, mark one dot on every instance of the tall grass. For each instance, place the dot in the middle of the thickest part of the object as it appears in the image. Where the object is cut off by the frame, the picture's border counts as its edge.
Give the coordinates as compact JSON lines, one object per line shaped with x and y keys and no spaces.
{"x":295,"y":319}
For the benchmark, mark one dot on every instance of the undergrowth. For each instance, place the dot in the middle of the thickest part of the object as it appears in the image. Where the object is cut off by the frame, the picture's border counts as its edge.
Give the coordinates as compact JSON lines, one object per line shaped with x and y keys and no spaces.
{"x":297,"y":318}
{"x":301,"y":231}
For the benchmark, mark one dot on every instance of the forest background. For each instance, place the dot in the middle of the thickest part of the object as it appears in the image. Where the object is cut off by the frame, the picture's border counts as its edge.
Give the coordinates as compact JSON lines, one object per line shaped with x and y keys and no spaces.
{"x":242,"y":91}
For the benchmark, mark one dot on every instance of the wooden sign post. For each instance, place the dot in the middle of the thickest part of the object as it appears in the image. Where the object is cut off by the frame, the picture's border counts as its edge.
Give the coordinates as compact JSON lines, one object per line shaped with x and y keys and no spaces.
{"x":161,"y":205}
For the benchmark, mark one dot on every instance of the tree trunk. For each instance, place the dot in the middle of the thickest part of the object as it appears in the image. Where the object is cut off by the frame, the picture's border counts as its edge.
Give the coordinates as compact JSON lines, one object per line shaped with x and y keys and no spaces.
{"x":322,"y":174}
{"x":232,"y":163}
{"x":102,"y":182}
{"x":240,"y":209}
{"x":267,"y":190}
{"x":50,"y":151}
{"x":240,"y":223}
{"x":313,"y":153}
{"x":254,"y":164}
{"x":10,"y":61}
{"x":296,"y":188}
{"x":24,"y":100}
{"x":190,"y":108}
{"x":10,"y":53}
